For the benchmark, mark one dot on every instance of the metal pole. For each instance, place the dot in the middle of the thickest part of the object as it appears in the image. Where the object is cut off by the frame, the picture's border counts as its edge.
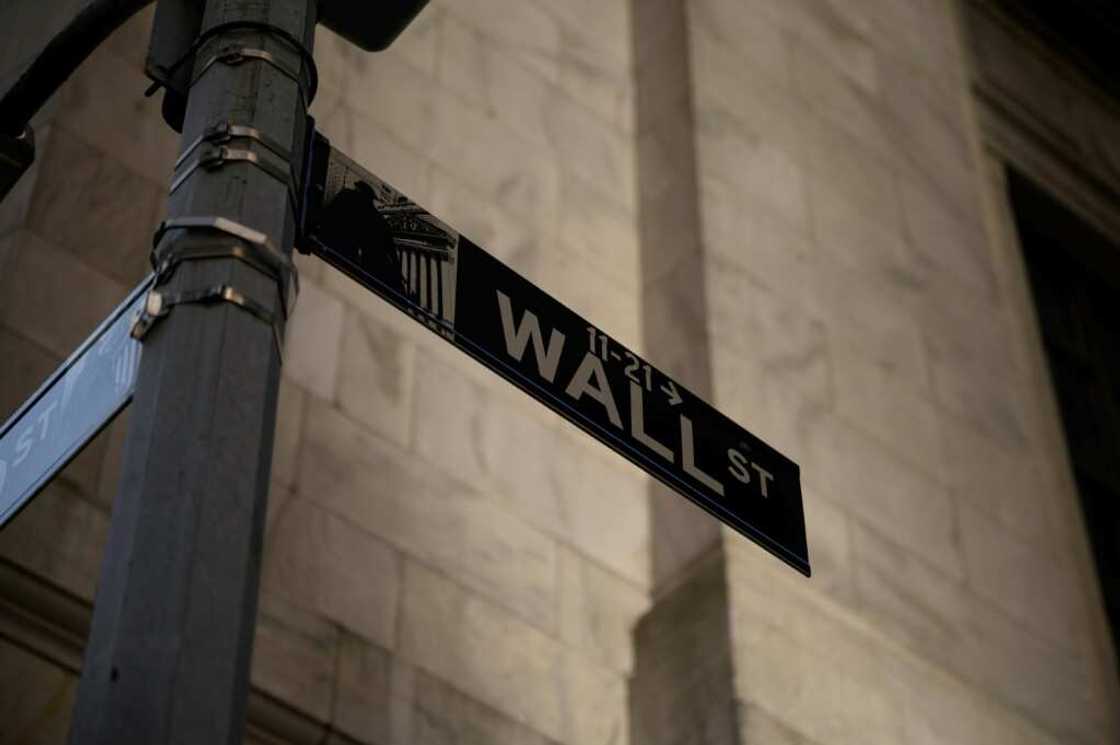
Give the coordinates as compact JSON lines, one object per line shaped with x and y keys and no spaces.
{"x":168,"y":655}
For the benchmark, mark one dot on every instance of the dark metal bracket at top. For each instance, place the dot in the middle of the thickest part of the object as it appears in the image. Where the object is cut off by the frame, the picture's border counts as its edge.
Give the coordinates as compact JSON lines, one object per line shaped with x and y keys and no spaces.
{"x":371,"y":26}
{"x":177,"y":36}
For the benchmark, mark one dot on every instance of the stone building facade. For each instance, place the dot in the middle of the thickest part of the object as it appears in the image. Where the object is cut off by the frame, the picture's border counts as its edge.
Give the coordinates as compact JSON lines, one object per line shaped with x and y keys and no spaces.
{"x":797,"y":208}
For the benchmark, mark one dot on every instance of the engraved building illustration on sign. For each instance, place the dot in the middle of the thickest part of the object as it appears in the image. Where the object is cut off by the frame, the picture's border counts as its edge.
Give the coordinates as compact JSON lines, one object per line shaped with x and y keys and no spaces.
{"x":412,"y":252}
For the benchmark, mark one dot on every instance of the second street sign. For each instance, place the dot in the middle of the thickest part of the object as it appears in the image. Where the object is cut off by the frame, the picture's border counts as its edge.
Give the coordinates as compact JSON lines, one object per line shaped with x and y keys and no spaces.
{"x":390,"y":245}
{"x":70,"y":408}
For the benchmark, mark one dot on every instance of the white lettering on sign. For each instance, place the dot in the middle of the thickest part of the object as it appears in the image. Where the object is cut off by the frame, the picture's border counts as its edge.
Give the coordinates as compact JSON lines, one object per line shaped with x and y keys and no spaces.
{"x":600,"y":391}
{"x":530,"y":328}
{"x":44,"y":419}
{"x":23,"y":446}
{"x":763,"y":477}
{"x":591,"y":379}
{"x":688,"y":456}
{"x":738,"y":469}
{"x":638,"y":424}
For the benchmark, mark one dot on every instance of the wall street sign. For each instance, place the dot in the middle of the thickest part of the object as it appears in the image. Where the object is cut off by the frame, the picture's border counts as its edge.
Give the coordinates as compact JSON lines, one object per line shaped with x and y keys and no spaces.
{"x":70,"y":408}
{"x":380,"y":238}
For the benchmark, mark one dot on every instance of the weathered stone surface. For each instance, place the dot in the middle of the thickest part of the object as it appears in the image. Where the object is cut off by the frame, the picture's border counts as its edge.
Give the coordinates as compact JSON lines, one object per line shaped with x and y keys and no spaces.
{"x":393,"y":94}
{"x":1016,"y":575}
{"x":496,"y":80}
{"x":89,"y":204}
{"x":525,"y":29}
{"x":601,"y":233}
{"x":593,"y":295}
{"x":682,"y":689}
{"x":597,"y":506}
{"x":593,"y":151}
{"x":294,"y":656}
{"x":324,"y":565}
{"x":901,"y":501}
{"x":829,"y":529}
{"x":26,"y":366}
{"x":677,"y":316}
{"x":375,"y":374}
{"x":1017,"y":486}
{"x":840,"y":32}
{"x":292,"y":402}
{"x":502,"y":166}
{"x":864,"y":283}
{"x":757,"y":163}
{"x":314,"y":336}
{"x":758,"y":725}
{"x":478,"y":648}
{"x":834,"y":696}
{"x":38,"y":696}
{"x":801,"y":658}
{"x":949,"y":624}
{"x":885,"y":406}
{"x":839,"y":166}
{"x":811,"y":258}
{"x":38,"y":278}
{"x":847,"y":99}
{"x":103,"y":104}
{"x":507,"y":235}
{"x":949,"y":251}
{"x":768,"y":330}
{"x":59,"y":537}
{"x":432,"y":517}
{"x":372,"y":691}
{"x":757,"y":242}
{"x":130,"y":41}
{"x":594,"y":703}
{"x":442,"y":715}
{"x":738,"y":33}
{"x":598,"y":610}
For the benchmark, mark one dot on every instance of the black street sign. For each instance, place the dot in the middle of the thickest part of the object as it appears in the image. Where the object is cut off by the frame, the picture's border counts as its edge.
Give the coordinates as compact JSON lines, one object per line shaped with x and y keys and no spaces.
{"x":76,"y":402}
{"x":384,"y":241}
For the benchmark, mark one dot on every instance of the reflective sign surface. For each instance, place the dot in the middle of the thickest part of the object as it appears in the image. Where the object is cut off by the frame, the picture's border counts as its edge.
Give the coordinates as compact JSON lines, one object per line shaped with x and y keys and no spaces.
{"x":75,"y":403}
{"x":383,"y":240}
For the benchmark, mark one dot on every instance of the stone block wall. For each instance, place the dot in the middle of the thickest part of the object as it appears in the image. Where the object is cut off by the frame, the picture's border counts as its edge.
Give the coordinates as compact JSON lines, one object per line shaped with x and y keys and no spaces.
{"x":785,"y":203}
{"x":861,"y":318}
{"x":444,"y":558}
{"x":444,"y":534}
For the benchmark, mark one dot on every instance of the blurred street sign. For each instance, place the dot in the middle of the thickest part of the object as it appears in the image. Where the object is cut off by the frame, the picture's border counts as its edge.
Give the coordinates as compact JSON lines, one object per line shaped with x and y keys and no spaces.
{"x":68,"y":410}
{"x":390,"y":245}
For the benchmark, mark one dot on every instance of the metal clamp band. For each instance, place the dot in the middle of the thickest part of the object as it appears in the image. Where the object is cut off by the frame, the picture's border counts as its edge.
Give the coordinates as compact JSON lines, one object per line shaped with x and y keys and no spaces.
{"x":254,"y":249}
{"x":306,"y":58}
{"x":240,"y":55}
{"x":158,"y":304}
{"x":223,"y":132}
{"x":212,"y":158}
{"x":180,"y":254}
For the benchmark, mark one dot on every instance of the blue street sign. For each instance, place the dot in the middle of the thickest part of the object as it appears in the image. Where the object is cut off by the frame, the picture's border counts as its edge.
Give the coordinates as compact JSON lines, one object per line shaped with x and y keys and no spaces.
{"x":67,"y":411}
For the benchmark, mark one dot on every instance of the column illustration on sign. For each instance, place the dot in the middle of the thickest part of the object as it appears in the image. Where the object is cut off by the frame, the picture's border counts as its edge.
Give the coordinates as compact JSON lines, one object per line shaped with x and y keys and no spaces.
{"x":397,"y":242}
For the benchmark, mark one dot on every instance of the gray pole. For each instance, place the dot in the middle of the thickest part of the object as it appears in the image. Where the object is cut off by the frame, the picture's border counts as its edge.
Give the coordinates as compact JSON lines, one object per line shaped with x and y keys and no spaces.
{"x":168,"y":655}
